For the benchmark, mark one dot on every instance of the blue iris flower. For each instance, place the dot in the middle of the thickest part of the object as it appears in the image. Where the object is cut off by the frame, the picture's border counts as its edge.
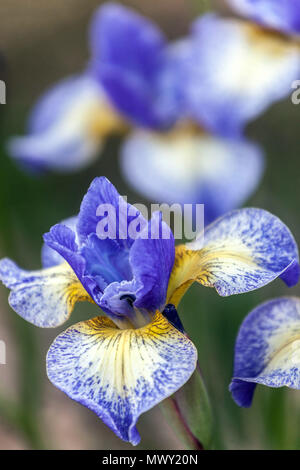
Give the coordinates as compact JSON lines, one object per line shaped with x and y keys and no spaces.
{"x":136,"y":353}
{"x":171,"y":156}
{"x":237,"y":68}
{"x":186,"y":103}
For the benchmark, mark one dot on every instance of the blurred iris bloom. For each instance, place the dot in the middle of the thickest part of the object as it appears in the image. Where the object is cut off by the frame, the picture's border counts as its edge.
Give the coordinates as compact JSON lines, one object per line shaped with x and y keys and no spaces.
{"x":191,"y":166}
{"x":137,"y":79}
{"x":67,"y":127}
{"x":247,"y":64}
{"x":136,"y":353}
{"x":267,"y":349}
{"x":69,"y":123}
{"x":169,"y":157}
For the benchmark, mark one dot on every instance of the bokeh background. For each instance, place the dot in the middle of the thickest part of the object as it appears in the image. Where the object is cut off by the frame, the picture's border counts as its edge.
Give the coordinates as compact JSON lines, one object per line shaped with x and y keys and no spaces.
{"x":41,"y":42}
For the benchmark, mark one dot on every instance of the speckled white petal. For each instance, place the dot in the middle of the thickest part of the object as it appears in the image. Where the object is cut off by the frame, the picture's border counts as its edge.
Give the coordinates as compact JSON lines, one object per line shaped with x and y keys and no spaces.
{"x":120,"y":374}
{"x":73,"y":116}
{"x":185,"y":167}
{"x":45,"y":298}
{"x":267,"y":349}
{"x":235,"y":71}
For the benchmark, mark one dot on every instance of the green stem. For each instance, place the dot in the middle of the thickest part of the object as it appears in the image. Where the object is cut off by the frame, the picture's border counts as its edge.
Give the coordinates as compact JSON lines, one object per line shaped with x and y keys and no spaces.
{"x":173,"y":415}
{"x":189,"y":413}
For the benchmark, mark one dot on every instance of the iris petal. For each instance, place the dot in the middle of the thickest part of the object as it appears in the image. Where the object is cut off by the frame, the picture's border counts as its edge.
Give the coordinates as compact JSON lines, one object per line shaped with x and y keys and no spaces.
{"x":120,"y":374}
{"x":102,"y":193}
{"x":66,"y":127}
{"x":186,"y":168}
{"x":283,"y":15}
{"x":138,"y":77}
{"x":51,"y":257}
{"x":239,"y":252}
{"x":267,"y":349}
{"x":235,"y":71}
{"x":152,"y":260}
{"x":45,"y":298}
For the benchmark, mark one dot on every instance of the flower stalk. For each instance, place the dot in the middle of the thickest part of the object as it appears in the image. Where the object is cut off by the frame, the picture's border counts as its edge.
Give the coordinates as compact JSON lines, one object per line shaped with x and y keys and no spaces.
{"x":188,"y":412}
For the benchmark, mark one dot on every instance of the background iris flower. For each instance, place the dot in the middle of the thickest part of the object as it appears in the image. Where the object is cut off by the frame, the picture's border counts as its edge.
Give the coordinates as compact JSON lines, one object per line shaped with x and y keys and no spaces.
{"x":137,"y":79}
{"x":246,"y":64}
{"x":229,"y":72}
{"x":68,"y":124}
{"x":172,"y":158}
{"x":122,"y":364}
{"x":67,"y":127}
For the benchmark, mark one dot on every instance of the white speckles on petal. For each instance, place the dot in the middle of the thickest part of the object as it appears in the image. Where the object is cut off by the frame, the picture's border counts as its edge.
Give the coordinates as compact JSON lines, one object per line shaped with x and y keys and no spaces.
{"x":45,"y":298}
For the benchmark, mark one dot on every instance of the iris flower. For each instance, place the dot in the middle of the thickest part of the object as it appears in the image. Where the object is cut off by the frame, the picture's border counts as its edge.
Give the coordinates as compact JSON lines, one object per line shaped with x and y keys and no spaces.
{"x":169,"y":156}
{"x":69,"y":123}
{"x":247,"y":64}
{"x":267,"y":349}
{"x":136,"y":80}
{"x":67,"y":127}
{"x":136,"y":353}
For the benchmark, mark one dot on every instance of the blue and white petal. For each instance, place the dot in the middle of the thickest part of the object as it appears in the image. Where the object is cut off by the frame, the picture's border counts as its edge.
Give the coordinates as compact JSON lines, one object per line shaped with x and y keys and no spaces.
{"x":239,"y":252}
{"x":45,"y":298}
{"x":151,"y":259}
{"x":138,"y":76}
{"x":66,"y":127}
{"x":188,"y":168}
{"x":235,"y":72}
{"x":282,"y":15}
{"x":267,"y":349}
{"x":120,"y":374}
{"x":51,"y":257}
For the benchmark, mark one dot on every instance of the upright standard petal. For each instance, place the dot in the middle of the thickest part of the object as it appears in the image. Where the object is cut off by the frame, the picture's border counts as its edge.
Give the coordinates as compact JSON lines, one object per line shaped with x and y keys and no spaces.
{"x":103,"y":205}
{"x":267,"y":349}
{"x":190,"y":168}
{"x":134,"y":74}
{"x":66,"y":127}
{"x":120,"y":374}
{"x":283,"y":15}
{"x":235,"y":71}
{"x":51,"y":257}
{"x":151,"y":259}
{"x":45,"y":298}
{"x":241,"y":251}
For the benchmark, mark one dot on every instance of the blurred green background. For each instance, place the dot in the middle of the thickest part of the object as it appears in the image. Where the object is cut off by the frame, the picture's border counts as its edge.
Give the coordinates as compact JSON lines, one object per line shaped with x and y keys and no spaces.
{"x":41,"y":42}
